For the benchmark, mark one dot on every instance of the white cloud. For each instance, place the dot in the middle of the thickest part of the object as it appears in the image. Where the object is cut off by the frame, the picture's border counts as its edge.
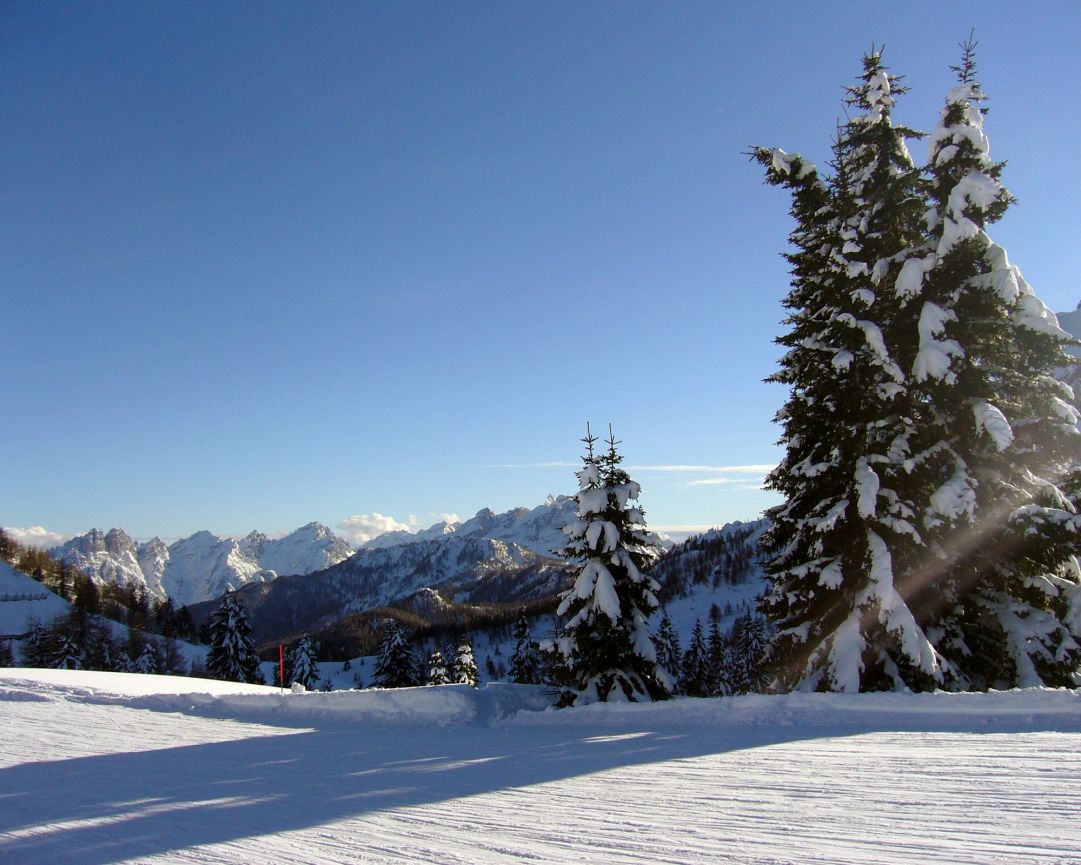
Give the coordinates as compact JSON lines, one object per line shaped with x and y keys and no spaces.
{"x":450,"y":518}
{"x":674,"y":469}
{"x":555,"y":464}
{"x":727,"y":483}
{"x":35,"y":536}
{"x":759,"y":469}
{"x":361,"y":528}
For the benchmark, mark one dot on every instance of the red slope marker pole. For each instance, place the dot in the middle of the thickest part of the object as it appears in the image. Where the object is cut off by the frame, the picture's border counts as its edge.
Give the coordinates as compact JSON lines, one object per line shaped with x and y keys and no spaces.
{"x":281,"y":667}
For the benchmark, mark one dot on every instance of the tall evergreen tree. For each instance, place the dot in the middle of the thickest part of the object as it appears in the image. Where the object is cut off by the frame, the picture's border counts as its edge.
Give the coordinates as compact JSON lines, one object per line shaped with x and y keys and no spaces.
{"x":606,"y":648}
{"x":847,"y":528}
{"x":525,"y":663}
{"x":1000,"y":429}
{"x":396,"y":666}
{"x":232,"y":653}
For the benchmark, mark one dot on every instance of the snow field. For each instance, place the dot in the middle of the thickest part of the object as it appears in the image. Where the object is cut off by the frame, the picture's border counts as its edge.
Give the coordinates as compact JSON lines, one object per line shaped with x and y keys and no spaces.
{"x":95,"y":769}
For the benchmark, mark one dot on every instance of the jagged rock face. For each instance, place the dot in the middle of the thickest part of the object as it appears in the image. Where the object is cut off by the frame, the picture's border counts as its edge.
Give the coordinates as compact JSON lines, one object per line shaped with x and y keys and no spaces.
{"x":111,"y":556}
{"x":203,"y":566}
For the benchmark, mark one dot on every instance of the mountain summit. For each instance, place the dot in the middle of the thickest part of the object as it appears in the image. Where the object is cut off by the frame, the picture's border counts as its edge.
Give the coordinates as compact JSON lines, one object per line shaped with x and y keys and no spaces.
{"x":204,"y":565}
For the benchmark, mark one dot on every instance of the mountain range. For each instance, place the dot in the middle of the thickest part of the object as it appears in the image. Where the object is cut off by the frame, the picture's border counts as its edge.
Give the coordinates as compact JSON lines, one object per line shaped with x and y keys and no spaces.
{"x":204,"y":566}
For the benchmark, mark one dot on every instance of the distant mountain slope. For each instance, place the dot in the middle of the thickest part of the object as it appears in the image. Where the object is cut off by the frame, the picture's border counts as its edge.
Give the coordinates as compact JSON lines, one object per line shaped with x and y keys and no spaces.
{"x":1071,"y":323}
{"x":204,"y":565}
{"x":539,"y":529}
{"x":457,"y":568}
{"x":24,"y":600}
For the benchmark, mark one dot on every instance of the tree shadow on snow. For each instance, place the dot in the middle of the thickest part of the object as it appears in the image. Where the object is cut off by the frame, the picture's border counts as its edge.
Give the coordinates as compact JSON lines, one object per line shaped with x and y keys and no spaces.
{"x":100,"y":809}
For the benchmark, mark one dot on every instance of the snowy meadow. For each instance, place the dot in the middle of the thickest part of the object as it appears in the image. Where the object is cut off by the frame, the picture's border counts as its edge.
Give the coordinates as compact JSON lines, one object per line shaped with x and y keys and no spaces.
{"x":100,"y":767}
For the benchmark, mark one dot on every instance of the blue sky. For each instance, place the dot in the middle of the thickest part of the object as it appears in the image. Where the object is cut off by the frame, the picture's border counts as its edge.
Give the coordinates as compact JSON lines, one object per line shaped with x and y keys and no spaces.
{"x":271,"y":263}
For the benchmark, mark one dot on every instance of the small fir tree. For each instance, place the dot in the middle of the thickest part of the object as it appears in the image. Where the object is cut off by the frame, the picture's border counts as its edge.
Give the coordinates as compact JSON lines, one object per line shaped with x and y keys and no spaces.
{"x":147,"y":662}
{"x":464,"y":669}
{"x":437,"y":670}
{"x":172,"y":658}
{"x":68,"y":656}
{"x":396,"y":666}
{"x":303,"y":668}
{"x":37,"y":649}
{"x":694,"y":678}
{"x":525,"y":663}
{"x":232,"y":653}
{"x":7,"y":657}
{"x":716,"y":678}
{"x":746,"y":652}
{"x":669,"y":652}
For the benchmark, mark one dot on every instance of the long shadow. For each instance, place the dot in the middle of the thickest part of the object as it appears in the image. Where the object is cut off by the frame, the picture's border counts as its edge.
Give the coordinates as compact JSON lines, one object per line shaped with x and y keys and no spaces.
{"x":143,"y":803}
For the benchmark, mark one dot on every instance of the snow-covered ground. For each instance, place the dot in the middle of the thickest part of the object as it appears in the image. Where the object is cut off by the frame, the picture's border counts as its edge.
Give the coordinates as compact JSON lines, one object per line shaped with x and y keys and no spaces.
{"x":106,"y":767}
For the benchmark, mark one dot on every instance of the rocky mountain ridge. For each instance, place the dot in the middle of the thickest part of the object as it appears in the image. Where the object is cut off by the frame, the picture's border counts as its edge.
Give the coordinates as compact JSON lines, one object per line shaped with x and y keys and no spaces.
{"x":204,"y":565}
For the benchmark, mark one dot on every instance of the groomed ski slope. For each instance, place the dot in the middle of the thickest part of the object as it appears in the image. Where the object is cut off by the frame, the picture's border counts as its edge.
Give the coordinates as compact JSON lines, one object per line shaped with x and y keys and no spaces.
{"x":106,"y":767}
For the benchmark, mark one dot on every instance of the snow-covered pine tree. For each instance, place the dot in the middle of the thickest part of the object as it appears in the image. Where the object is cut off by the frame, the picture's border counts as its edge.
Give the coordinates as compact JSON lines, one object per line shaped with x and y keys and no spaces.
{"x":464,"y":669}
{"x":606,"y":648}
{"x":694,"y":675}
{"x":68,"y":656}
{"x":669,"y":652}
{"x":396,"y":666}
{"x":147,"y":662}
{"x":525,"y":663}
{"x":303,"y":668}
{"x":437,"y":670}
{"x":846,"y":529}
{"x":232,"y":655}
{"x":999,"y":579}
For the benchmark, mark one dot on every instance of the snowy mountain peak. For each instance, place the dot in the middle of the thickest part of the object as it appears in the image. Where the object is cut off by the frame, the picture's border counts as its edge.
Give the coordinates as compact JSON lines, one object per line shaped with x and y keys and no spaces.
{"x":203,"y":565}
{"x":538,"y":530}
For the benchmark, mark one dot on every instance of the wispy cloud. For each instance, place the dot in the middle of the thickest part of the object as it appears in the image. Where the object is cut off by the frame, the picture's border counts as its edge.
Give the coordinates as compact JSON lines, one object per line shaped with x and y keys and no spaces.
{"x":729,"y":483}
{"x":674,"y":469}
{"x":555,"y":464}
{"x":755,"y":469}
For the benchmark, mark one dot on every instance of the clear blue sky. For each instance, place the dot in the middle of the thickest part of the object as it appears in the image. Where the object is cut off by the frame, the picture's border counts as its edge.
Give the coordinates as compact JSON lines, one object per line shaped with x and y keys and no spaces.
{"x":270,"y":263}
